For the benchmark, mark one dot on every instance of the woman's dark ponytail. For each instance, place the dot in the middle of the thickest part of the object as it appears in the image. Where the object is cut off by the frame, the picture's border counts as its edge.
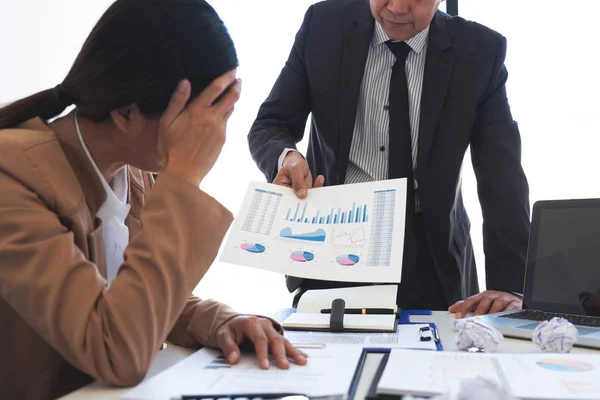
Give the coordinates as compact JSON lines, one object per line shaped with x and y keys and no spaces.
{"x":136,"y":54}
{"x":46,"y":105}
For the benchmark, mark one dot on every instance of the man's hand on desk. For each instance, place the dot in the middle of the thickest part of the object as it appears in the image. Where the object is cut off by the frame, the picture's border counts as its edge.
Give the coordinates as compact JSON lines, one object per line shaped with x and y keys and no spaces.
{"x":295,"y":174}
{"x":488,"y":302}
{"x":260,"y":333}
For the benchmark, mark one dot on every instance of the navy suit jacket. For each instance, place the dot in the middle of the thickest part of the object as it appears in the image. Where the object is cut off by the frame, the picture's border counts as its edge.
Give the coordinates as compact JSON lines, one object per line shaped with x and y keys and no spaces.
{"x":463,"y":104}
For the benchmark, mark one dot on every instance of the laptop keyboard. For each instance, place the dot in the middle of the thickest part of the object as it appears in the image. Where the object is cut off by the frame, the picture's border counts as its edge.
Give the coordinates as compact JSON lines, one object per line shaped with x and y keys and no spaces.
{"x":535,"y":315}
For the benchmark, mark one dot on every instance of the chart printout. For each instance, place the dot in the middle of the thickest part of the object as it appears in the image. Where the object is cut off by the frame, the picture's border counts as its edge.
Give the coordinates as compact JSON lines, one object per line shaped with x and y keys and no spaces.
{"x":351,"y":233}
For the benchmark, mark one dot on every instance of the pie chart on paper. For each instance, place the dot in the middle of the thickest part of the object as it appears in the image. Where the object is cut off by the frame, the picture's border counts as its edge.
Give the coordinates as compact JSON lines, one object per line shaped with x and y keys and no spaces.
{"x":253,"y":248}
{"x":302,"y":256}
{"x":348,"y":260}
{"x":564,"y":365}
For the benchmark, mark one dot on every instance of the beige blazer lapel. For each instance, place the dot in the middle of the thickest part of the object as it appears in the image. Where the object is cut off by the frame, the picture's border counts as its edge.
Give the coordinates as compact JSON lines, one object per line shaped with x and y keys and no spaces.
{"x":97,"y":254}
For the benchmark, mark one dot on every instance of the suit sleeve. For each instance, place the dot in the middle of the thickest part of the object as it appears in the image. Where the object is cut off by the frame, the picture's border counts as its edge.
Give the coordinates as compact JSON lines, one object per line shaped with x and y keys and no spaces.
{"x":200,"y":319}
{"x":281,"y":119}
{"x":501,"y":184}
{"x":112,"y":334}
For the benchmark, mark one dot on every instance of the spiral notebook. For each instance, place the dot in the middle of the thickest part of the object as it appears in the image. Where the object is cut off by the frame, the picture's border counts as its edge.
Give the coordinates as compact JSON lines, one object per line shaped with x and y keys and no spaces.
{"x":309,"y":314}
{"x":371,"y":323}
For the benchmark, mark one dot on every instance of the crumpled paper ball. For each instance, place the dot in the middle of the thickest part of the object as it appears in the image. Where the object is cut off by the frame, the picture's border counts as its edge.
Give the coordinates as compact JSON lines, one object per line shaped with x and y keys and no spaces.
{"x":555,"y":336}
{"x":474,"y":333}
{"x":474,"y":389}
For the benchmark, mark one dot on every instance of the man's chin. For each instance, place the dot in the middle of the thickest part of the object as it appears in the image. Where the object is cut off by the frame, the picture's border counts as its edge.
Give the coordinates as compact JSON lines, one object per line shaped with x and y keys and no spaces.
{"x":402,"y":33}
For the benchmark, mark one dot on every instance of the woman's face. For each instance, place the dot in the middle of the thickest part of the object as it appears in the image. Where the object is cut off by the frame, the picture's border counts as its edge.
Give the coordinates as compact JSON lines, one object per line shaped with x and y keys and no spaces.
{"x":135,"y":139}
{"x":144,"y":153}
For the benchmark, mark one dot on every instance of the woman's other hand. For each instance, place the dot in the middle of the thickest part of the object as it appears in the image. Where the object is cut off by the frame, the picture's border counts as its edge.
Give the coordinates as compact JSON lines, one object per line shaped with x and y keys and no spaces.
{"x":191,"y":137}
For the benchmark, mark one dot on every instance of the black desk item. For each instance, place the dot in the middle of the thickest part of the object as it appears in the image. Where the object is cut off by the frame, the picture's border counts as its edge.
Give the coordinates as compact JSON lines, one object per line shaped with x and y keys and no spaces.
{"x":359,"y":370}
{"x":258,"y":396}
{"x":429,"y":333}
{"x":336,"y":320}
{"x":364,"y":311}
{"x":372,"y":393}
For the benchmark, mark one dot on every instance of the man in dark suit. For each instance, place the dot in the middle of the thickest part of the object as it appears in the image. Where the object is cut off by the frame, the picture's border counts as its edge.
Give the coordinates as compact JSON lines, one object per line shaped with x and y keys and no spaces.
{"x":396,"y":89}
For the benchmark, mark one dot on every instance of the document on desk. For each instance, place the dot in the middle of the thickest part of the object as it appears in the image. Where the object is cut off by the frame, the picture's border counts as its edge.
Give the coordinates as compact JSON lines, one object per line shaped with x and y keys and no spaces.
{"x":352,"y":233}
{"x":526,"y":376}
{"x":329,"y":372}
{"x":405,"y":337}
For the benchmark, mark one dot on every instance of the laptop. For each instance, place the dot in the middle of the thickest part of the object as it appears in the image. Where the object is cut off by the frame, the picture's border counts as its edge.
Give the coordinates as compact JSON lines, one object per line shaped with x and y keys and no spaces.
{"x":562,"y":278}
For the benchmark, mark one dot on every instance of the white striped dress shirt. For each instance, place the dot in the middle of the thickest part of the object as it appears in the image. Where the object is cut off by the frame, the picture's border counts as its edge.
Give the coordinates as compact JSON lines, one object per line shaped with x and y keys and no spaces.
{"x":368,"y":159}
{"x":369,"y":151}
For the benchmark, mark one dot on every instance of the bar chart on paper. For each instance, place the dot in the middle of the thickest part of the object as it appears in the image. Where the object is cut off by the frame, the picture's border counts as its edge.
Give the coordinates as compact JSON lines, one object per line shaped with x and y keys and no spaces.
{"x":352,"y":233}
{"x":353,"y":215}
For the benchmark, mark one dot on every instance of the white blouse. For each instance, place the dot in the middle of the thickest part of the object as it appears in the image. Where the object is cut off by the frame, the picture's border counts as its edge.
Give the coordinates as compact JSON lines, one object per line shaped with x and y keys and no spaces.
{"x":112,"y":213}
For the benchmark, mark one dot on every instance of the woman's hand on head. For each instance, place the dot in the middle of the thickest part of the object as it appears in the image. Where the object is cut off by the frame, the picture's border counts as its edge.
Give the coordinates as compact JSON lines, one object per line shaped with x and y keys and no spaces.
{"x":190,"y":138}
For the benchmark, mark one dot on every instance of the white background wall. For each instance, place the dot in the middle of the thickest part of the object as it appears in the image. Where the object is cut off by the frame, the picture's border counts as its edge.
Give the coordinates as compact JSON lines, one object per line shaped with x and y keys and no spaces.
{"x":553,"y":89}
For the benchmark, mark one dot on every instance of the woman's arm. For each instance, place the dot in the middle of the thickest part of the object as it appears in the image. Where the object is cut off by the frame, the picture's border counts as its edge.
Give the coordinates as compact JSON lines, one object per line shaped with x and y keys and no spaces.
{"x":199,"y":322}
{"x":111,"y":334}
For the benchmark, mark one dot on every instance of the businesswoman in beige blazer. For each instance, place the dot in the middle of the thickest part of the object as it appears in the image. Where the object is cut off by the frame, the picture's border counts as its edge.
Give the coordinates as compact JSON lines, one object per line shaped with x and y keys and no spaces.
{"x":97,"y":261}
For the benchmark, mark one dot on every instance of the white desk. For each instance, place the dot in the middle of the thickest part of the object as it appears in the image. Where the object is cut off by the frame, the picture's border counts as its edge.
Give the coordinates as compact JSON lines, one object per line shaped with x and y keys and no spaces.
{"x":443,"y":320}
{"x":98,"y":391}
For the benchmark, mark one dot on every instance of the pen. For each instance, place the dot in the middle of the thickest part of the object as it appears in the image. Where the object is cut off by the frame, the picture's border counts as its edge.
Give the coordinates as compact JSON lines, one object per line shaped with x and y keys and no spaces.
{"x":388,"y":311}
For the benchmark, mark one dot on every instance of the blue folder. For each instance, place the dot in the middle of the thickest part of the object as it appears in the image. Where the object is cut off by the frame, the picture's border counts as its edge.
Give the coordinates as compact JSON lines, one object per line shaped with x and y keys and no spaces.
{"x":404,"y":319}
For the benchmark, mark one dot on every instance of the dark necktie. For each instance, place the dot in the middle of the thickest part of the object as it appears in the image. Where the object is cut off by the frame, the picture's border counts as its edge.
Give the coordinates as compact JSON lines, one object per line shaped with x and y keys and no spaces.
{"x":400,"y":142}
{"x":400,"y":163}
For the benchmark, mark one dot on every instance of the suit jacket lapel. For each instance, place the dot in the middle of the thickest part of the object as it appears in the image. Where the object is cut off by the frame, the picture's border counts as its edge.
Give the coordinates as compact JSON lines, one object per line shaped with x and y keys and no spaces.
{"x":94,"y":192}
{"x":136,"y":198}
{"x":438,"y":70}
{"x":91,"y":185}
{"x":357,"y":38}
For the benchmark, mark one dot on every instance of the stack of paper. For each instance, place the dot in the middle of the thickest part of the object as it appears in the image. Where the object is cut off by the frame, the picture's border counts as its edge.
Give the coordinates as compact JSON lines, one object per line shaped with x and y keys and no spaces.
{"x":329,"y":372}
{"x":405,"y":337}
{"x":526,"y":376}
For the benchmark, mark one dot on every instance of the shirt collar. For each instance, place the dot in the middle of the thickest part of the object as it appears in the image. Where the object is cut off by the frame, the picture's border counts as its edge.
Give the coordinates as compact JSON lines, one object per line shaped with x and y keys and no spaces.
{"x":416,"y":43}
{"x":117,"y":190}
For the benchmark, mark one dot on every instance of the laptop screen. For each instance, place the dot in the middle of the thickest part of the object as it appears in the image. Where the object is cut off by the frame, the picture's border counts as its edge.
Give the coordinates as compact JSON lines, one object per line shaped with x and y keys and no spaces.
{"x":563,"y":263}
